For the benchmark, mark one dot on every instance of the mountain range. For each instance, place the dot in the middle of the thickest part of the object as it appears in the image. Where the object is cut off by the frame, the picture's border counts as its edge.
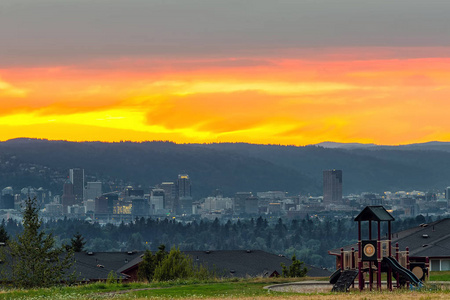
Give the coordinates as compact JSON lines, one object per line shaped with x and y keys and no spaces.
{"x":229,"y":167}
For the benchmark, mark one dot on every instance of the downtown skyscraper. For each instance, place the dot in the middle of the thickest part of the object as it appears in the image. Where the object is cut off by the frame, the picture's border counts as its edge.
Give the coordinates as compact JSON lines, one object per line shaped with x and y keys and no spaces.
{"x":76,"y":177}
{"x":332,"y":187}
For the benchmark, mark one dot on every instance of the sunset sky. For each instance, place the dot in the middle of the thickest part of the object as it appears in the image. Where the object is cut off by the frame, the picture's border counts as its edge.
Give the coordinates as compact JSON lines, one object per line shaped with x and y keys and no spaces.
{"x":259,"y":71}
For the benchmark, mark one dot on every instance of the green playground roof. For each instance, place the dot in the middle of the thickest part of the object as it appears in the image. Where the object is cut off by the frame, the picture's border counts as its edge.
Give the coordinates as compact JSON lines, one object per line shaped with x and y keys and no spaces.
{"x":374,"y":213}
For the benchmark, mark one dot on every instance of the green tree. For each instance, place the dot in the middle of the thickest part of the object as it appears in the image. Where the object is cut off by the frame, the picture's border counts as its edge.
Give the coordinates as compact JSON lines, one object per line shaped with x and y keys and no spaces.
{"x":77,"y":242}
{"x":179,"y":266}
{"x":32,"y":258}
{"x":296,"y":269}
{"x":160,"y":254}
{"x":146,"y":268}
{"x":150,"y":261}
{"x":174,"y":266}
{"x":4,"y":237}
{"x":135,"y":242}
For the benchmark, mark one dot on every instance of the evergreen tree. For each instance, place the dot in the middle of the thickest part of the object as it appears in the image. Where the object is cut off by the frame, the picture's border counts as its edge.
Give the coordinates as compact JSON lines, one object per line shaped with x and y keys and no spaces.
{"x":161,"y":254}
{"x":32,"y":258}
{"x":135,"y":242}
{"x":4,"y":237}
{"x":77,"y":242}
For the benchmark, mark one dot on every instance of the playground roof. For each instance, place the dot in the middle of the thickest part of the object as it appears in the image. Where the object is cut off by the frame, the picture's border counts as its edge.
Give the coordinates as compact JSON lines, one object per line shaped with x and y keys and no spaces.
{"x":374,"y":213}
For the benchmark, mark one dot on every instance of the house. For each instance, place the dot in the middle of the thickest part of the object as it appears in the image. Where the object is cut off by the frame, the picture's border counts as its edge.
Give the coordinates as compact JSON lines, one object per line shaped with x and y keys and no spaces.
{"x":234,"y":263}
{"x":96,"y":266}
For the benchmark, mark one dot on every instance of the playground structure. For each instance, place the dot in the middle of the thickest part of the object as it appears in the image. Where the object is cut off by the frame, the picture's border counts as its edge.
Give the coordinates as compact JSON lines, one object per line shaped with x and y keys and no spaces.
{"x":375,"y":256}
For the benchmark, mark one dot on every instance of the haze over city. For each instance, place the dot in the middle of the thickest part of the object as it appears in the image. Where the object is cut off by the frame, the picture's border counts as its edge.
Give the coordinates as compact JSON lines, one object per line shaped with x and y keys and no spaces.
{"x":278,"y":72}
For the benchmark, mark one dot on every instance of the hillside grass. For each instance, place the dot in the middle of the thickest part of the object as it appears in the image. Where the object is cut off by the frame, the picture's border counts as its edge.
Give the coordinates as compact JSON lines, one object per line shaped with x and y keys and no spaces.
{"x":213,"y":289}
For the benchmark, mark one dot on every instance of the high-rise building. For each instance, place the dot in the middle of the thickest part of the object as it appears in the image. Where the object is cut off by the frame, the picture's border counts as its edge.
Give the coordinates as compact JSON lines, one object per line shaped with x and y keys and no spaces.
{"x":185,"y":206}
{"x":239,"y":202}
{"x":157,"y":201}
{"x":183,"y":186}
{"x":332,"y":186}
{"x":92,"y":191}
{"x":76,"y":176}
{"x":105,"y":203}
{"x":252,"y":205}
{"x":139,"y":207}
{"x":170,"y":193}
{"x":183,"y":200}
{"x":68,"y":198}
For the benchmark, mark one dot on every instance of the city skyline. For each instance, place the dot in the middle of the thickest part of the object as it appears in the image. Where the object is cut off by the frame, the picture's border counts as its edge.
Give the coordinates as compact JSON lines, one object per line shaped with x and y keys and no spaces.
{"x":285,"y":72}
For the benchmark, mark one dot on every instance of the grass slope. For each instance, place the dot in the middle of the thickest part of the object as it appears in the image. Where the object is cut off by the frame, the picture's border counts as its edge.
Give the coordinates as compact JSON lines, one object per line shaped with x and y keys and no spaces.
{"x":242,"y":289}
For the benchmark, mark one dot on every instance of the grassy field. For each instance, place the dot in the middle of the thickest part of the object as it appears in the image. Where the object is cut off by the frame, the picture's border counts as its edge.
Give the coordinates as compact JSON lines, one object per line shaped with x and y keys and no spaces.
{"x":242,"y":289}
{"x":440,"y":276}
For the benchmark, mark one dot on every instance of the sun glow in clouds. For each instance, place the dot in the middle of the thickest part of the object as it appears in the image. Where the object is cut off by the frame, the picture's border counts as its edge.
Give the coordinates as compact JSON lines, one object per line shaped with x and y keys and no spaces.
{"x":286,"y":101}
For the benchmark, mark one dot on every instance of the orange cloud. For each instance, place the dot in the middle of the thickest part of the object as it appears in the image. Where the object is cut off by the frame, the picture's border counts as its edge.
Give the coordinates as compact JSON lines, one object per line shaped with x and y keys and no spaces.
{"x":262,"y":100}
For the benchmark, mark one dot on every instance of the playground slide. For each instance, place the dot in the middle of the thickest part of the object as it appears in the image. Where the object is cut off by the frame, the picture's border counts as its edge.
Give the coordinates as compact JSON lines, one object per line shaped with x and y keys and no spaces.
{"x":344,"y":281}
{"x":335,"y":276}
{"x":395,"y":265}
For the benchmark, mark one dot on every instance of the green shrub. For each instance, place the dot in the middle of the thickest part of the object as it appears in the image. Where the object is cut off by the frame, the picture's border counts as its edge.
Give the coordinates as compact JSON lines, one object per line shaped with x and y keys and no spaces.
{"x":177,"y":265}
{"x":296,"y":269}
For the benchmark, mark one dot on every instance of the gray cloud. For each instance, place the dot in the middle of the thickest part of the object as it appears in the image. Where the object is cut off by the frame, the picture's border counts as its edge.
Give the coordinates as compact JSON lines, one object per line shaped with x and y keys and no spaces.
{"x":36,"y":32}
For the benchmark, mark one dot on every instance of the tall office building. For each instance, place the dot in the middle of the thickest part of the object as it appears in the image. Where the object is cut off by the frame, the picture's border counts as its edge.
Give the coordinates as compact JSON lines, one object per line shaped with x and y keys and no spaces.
{"x":252,"y":205}
{"x":105,"y":203}
{"x":157,"y":201}
{"x":76,"y":177}
{"x":183,"y":201}
{"x":183,"y":186}
{"x":68,"y":198}
{"x":170,"y":193}
{"x":93,"y":190}
{"x":239,"y":202}
{"x":332,"y":186}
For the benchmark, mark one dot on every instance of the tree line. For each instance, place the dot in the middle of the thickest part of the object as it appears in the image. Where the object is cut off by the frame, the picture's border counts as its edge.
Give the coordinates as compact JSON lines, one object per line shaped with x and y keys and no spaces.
{"x":31,"y":259}
{"x":309,"y":239}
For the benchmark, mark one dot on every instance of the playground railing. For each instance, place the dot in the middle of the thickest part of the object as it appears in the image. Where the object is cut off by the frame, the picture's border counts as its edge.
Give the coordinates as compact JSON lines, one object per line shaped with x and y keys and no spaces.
{"x":350,"y":258}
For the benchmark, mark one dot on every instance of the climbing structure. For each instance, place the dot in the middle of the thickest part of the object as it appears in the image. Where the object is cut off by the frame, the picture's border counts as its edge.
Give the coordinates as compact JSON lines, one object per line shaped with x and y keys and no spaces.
{"x":370,"y":250}
{"x":373,"y":256}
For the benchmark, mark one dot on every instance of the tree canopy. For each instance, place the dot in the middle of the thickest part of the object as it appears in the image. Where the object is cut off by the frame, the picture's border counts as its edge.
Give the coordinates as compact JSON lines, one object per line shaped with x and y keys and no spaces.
{"x":31,"y":258}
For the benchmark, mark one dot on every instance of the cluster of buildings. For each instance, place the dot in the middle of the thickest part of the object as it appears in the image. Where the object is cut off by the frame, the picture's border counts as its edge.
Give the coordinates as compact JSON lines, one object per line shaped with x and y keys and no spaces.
{"x":400,"y":203}
{"x":87,"y":199}
{"x":81,"y":199}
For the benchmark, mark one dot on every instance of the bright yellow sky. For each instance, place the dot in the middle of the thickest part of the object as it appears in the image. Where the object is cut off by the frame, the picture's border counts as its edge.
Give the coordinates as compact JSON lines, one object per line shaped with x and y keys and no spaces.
{"x":274,"y":100}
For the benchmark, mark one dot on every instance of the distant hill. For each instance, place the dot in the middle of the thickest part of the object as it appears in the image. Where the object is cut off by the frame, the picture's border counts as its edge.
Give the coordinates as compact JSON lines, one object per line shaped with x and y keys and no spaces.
{"x":151,"y":163}
{"x":438,"y":146}
{"x":335,"y":145}
{"x":230,"y":167}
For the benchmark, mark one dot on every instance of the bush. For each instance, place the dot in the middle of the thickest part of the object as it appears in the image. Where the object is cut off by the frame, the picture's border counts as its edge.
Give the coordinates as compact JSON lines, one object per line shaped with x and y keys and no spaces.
{"x":296,"y":269}
{"x":180,"y":266}
{"x":112,"y":278}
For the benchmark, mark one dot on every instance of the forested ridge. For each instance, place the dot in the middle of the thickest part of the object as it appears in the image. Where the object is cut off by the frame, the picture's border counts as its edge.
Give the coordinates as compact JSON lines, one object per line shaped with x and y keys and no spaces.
{"x":230,"y":168}
{"x":310,"y":239}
